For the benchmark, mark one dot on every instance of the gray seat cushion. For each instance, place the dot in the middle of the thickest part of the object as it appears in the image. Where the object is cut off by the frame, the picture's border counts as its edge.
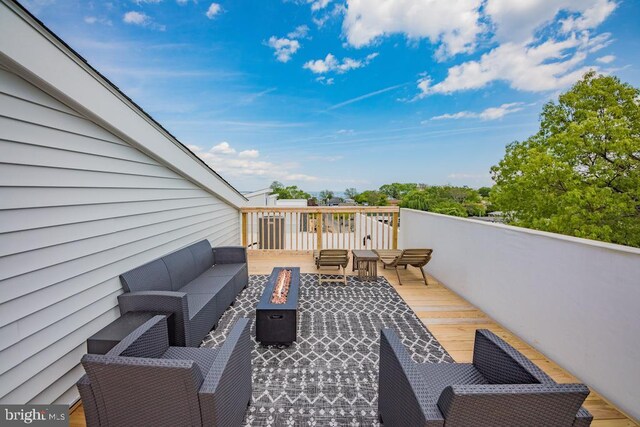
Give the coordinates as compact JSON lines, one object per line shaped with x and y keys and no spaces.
{"x":224,"y":270}
{"x":204,"y":357}
{"x":205,"y":285}
{"x":437,"y":376}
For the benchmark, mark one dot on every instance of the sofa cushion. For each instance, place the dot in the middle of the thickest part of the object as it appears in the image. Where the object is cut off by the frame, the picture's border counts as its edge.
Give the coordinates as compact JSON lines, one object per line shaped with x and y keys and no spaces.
{"x":205,"y":285}
{"x":204,"y":357}
{"x":224,"y":270}
{"x":438,"y":376}
{"x":202,"y":255}
{"x":182,"y":268}
{"x":153,"y":276}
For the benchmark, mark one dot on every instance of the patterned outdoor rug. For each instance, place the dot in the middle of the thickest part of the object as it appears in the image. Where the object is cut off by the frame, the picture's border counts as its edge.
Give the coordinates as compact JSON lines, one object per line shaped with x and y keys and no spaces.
{"x":329,"y":377}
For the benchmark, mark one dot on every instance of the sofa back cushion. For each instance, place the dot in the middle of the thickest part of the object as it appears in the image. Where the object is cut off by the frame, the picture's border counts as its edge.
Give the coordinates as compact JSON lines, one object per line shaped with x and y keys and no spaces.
{"x":182,"y":268}
{"x":202,"y":255}
{"x":153,"y":276}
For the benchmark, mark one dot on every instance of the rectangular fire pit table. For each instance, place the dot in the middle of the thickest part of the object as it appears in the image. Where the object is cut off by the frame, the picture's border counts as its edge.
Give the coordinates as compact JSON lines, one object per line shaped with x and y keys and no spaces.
{"x":276,"y":324}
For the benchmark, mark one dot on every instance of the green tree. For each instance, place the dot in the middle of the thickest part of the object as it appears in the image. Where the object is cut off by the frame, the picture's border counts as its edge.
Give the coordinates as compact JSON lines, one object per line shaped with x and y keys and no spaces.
{"x":326,"y":195}
{"x":580,"y":173}
{"x":484,"y":191}
{"x":446,"y":199}
{"x":351,"y":193}
{"x":372,"y":198}
{"x":397,"y":190}
{"x":290,"y":192}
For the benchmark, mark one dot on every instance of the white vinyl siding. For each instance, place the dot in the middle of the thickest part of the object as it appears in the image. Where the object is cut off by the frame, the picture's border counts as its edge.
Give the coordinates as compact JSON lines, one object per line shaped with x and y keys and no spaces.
{"x":78,"y":207}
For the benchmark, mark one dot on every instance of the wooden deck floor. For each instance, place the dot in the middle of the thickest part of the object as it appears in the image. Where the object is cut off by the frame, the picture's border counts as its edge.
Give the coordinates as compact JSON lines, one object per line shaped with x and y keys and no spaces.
{"x":450,"y":318}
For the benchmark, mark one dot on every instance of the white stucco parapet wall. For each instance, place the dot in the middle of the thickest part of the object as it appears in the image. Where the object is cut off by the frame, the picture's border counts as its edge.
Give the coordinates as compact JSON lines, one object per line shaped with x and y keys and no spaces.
{"x":575,"y":300}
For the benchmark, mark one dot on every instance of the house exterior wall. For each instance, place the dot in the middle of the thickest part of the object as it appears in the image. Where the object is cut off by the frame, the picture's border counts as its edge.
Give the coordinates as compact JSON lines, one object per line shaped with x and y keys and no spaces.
{"x":575,"y":300}
{"x":78,"y":206}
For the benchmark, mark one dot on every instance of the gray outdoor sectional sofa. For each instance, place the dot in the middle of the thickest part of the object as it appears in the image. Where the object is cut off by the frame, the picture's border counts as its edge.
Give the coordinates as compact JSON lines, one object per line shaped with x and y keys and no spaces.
{"x":142,"y":381}
{"x":197,"y":284}
{"x":501,"y":388}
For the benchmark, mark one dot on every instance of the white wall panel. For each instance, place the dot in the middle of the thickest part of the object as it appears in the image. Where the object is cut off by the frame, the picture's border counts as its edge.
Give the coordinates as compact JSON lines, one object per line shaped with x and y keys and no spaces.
{"x":78,"y":207}
{"x":575,"y":300}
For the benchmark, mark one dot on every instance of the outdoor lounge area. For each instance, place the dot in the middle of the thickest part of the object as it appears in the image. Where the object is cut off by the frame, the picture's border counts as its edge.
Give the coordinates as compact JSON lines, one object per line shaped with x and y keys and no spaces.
{"x":451,"y":321}
{"x":139,"y":287}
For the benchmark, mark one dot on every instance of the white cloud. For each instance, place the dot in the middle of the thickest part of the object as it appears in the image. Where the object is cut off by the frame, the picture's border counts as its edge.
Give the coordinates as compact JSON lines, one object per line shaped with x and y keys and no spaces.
{"x":222,"y":148}
{"x":607,"y":59}
{"x":214,"y":10}
{"x":136,"y":18}
{"x":547,"y":66}
{"x":94,"y":19}
{"x":300,"y":32}
{"x":517,"y":21}
{"x":331,"y":64}
{"x":453,"y":24}
{"x":283,"y":48}
{"x":318,"y":4}
{"x":139,"y":2}
{"x":492,"y":113}
{"x":249,"y":154}
{"x":225,"y":160}
{"x":325,"y":81}
{"x":182,"y":2}
{"x":592,"y":14}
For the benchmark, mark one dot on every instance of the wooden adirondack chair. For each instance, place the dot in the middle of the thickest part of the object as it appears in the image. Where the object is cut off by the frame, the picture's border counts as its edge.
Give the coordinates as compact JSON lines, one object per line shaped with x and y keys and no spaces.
{"x":332,"y":258}
{"x":398,"y":258}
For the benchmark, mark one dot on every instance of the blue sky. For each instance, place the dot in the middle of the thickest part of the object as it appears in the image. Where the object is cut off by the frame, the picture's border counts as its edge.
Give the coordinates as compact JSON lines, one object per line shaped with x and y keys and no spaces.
{"x":352,"y":93}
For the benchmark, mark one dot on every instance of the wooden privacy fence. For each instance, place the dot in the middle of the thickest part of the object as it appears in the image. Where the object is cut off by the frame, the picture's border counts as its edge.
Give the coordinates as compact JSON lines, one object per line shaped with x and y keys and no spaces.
{"x":320,"y":227}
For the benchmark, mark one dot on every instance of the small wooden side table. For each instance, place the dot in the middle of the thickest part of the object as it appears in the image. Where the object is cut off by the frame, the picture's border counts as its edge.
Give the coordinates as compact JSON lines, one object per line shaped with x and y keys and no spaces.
{"x":366,"y":262}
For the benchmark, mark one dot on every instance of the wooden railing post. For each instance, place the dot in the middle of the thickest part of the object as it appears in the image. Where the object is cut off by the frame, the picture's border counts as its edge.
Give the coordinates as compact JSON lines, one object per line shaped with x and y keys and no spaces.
{"x":244,"y":230}
{"x":395,"y":230}
{"x":319,"y":230}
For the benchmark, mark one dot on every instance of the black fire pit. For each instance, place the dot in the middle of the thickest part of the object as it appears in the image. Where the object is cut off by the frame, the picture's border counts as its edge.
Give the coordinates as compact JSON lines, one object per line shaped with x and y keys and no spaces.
{"x":276,"y":324}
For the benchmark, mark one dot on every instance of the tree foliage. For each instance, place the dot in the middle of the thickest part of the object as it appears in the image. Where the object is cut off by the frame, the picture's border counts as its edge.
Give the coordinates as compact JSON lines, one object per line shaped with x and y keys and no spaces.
{"x":397,"y":190}
{"x":290,"y":192}
{"x":484,"y":191}
{"x":326,"y":195}
{"x":351,"y":193}
{"x":447,"y":199}
{"x":580,"y":173}
{"x":372,"y":198}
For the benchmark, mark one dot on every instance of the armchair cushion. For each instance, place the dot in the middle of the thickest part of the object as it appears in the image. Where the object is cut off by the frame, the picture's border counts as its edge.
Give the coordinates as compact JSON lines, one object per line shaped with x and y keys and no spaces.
{"x":203,"y":357}
{"x":437,"y":376}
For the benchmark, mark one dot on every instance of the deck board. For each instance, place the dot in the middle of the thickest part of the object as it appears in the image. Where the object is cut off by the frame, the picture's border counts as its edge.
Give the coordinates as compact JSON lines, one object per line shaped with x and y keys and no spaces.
{"x":450,"y":318}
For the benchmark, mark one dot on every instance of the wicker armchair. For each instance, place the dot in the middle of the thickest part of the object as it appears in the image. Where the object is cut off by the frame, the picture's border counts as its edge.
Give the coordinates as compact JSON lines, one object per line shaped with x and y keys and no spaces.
{"x":501,"y":388}
{"x":142,"y":381}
